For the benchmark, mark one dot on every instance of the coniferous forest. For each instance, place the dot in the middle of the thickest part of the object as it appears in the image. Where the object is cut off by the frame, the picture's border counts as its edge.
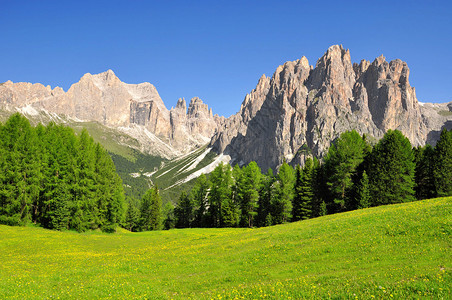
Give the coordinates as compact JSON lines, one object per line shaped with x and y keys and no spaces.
{"x":353,"y":175}
{"x":58,"y":180}
{"x":51,"y":177}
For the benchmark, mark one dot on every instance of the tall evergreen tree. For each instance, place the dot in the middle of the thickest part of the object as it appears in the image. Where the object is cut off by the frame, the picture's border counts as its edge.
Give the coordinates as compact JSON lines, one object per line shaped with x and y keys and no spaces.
{"x":281,"y":201}
{"x":199,"y":194}
{"x":132,"y":221}
{"x":303,"y":198}
{"x":443,"y":164}
{"x":363,"y":193}
{"x":263,"y":217}
{"x":150,"y":211}
{"x":249,"y":187}
{"x":223,"y":211}
{"x":156,"y":209}
{"x":169,"y":221}
{"x":319,"y":188}
{"x":391,"y":170}
{"x":183,"y":211}
{"x":341,"y":164}
{"x":424,"y":172}
{"x":21,"y":170}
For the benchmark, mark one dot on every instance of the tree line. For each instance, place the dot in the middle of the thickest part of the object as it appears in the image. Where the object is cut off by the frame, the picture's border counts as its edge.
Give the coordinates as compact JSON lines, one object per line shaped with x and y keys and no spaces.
{"x":59,"y":180}
{"x":52,"y":177}
{"x":353,"y":175}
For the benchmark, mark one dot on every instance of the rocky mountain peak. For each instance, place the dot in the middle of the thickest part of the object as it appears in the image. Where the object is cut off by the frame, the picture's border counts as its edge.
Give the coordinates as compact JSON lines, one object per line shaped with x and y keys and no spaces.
{"x":301,"y":110}
{"x":197,"y":108}
{"x":136,"y":109}
{"x":334,"y":67}
{"x":181,"y":105}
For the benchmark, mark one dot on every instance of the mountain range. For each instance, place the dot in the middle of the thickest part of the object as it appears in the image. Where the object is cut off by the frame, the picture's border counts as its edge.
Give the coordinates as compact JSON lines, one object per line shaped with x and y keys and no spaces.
{"x":298,"y":111}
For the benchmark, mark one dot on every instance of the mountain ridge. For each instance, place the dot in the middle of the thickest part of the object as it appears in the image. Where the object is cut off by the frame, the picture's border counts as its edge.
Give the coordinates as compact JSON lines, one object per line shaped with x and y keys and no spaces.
{"x":301,"y":109}
{"x":135,"y":109}
{"x":296,"y":112}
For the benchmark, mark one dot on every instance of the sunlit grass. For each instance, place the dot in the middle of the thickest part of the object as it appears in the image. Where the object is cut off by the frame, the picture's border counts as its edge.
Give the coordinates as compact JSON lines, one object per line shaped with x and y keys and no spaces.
{"x":397,"y":251}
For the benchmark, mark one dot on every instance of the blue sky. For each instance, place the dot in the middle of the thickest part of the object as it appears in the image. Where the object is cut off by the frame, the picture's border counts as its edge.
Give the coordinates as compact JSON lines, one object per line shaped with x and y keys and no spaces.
{"x":217,"y":50}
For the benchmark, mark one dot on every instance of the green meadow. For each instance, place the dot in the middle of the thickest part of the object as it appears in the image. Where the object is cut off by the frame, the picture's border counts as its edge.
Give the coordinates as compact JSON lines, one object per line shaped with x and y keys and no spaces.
{"x":396,"y":251}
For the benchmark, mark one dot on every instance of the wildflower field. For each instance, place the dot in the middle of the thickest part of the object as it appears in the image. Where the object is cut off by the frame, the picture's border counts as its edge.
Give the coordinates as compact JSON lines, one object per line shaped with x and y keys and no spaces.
{"x":395,"y":251}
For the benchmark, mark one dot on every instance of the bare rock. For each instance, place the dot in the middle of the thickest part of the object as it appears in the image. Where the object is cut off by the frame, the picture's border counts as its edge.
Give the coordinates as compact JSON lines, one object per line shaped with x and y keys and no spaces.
{"x":303,"y":109}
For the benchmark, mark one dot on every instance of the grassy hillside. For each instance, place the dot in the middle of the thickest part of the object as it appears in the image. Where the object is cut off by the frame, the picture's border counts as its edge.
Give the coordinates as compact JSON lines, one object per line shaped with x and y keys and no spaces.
{"x":397,"y":251}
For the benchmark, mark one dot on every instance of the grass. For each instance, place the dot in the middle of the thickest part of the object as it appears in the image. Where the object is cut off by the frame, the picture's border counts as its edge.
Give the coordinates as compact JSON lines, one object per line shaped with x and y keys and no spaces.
{"x":112,"y":140}
{"x":445,"y":113}
{"x":396,"y":251}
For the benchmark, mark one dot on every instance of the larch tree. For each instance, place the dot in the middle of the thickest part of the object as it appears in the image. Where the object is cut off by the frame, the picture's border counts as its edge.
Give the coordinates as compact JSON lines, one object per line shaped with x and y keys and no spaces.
{"x":281,"y":201}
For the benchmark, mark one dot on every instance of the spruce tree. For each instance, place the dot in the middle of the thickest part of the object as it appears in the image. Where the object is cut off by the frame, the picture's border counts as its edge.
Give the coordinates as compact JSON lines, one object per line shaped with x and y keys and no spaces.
{"x":263,"y":217}
{"x":183,"y":212}
{"x":391,"y":170}
{"x":424,"y":172}
{"x":341,"y":164}
{"x":169,"y":221}
{"x":443,"y":164}
{"x":303,"y":198}
{"x":363,"y":192}
{"x":156,"y":210}
{"x":132,"y":221}
{"x":281,"y":201}
{"x":296,"y":201}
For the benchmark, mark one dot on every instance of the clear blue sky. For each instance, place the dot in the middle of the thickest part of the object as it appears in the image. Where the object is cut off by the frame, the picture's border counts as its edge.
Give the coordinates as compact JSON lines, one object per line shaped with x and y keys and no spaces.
{"x":217,"y":50}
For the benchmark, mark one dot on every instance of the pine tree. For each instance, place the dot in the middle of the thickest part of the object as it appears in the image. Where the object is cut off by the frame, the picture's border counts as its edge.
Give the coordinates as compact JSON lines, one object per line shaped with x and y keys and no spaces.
{"x":319,"y":187}
{"x":223,"y":211}
{"x":391,"y":170}
{"x":281,"y":201}
{"x":132,"y":221}
{"x":156,"y":210}
{"x":341,"y":164}
{"x":169,"y":221}
{"x":150,"y":211}
{"x":21,"y":171}
{"x":424,"y":172}
{"x":84,"y":210}
{"x":249,"y":187}
{"x":296,"y":201}
{"x":443,"y":164}
{"x":199,"y":194}
{"x":303,"y":198}
{"x":263,"y":217}
{"x":183,"y":211}
{"x":363,"y":192}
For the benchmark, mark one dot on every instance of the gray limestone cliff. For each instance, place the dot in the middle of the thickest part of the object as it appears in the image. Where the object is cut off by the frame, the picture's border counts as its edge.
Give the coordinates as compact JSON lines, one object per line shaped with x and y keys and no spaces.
{"x":297,"y":112}
{"x":300,"y":110}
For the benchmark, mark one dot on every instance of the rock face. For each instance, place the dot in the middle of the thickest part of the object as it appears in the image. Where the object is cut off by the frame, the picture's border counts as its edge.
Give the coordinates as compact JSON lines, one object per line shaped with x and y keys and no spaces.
{"x":297,"y":112}
{"x":137,"y":109}
{"x":300,"y":110}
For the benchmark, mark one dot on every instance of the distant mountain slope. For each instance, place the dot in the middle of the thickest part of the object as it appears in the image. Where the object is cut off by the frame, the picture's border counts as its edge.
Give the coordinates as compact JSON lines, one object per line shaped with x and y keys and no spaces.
{"x":300,"y":110}
{"x":135,"y":109}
